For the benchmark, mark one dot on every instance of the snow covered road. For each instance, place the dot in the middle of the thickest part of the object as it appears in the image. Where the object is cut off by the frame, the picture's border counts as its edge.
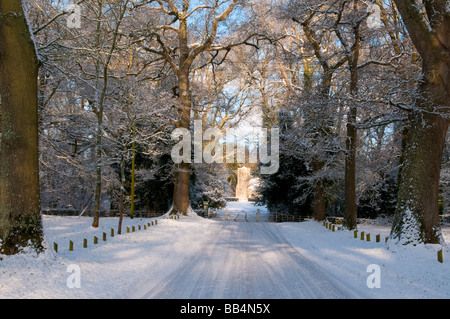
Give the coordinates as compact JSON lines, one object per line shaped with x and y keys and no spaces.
{"x":246,"y":259}
{"x":238,"y":258}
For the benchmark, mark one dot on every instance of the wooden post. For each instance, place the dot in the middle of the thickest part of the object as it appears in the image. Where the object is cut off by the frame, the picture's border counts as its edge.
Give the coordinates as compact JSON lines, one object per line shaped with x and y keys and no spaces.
{"x":152,"y":222}
{"x":84,"y":243}
{"x":95,"y":240}
{"x":362,"y":235}
{"x":139,"y":227}
{"x":145,"y":227}
{"x":368,"y":237}
{"x":355,"y":233}
{"x":55,"y":247}
{"x":333,"y":227}
{"x":133,"y":229}
{"x":377,"y":238}
{"x":104,"y":236}
{"x":128,"y":229}
{"x":257,"y":215}
{"x":440,"y":258}
{"x":156,"y":222}
{"x":112,"y":232}
{"x":70,"y":245}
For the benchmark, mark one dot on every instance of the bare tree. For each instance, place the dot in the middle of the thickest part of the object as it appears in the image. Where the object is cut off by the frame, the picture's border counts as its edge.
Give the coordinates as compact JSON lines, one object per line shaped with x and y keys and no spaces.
{"x":171,"y":40}
{"x":329,"y":64}
{"x":102,"y":75}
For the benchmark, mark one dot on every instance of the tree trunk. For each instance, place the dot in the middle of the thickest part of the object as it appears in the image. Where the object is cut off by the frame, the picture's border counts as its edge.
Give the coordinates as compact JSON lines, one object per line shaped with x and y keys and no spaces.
{"x":122,"y":187}
{"x":417,"y":212}
{"x":180,"y":202}
{"x":181,"y":171}
{"x":350,"y":212}
{"x":20,"y":219}
{"x":133,"y":169}
{"x":98,"y":181}
{"x":350,"y":171}
{"x":319,"y":211}
{"x":401,"y":159}
{"x":318,"y":203}
{"x":98,"y":110}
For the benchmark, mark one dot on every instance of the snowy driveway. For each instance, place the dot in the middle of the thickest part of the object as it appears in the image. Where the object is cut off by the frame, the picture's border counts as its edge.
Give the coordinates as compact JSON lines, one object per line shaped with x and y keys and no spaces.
{"x":194,"y":257}
{"x":246,"y":259}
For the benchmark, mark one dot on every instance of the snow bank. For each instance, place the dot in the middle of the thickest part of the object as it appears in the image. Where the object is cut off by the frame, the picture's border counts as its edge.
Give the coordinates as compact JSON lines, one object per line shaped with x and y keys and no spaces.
{"x":107,"y":270}
{"x":405,"y":271}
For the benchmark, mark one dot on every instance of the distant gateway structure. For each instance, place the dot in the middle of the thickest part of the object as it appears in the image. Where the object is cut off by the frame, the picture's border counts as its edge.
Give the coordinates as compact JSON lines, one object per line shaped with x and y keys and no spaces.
{"x":243,"y":181}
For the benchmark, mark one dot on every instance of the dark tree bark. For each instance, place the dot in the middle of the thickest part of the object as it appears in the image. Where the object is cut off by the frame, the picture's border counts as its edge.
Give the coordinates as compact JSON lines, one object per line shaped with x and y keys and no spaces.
{"x":350,"y":210}
{"x":417,"y":212}
{"x":20,"y":219}
{"x":353,"y":52}
{"x":122,"y":188}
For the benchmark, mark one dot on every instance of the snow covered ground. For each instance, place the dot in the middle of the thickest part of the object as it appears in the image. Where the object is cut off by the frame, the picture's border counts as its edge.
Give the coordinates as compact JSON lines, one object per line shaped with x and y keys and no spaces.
{"x":137,"y":264}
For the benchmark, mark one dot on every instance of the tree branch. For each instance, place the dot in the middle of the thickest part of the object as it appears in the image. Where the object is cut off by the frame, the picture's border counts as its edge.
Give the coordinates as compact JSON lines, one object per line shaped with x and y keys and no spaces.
{"x":54,"y":19}
{"x":420,"y":33}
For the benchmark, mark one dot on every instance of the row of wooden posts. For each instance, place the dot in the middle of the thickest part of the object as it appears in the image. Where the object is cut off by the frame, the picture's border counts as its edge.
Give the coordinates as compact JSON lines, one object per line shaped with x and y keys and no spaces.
{"x":133,"y":229}
{"x":364,"y":236}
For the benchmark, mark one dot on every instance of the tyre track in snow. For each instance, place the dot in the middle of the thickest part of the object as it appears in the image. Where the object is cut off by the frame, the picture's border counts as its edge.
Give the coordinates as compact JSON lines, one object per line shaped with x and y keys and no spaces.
{"x":246,"y":260}
{"x":304,"y":277}
{"x":188,"y":278}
